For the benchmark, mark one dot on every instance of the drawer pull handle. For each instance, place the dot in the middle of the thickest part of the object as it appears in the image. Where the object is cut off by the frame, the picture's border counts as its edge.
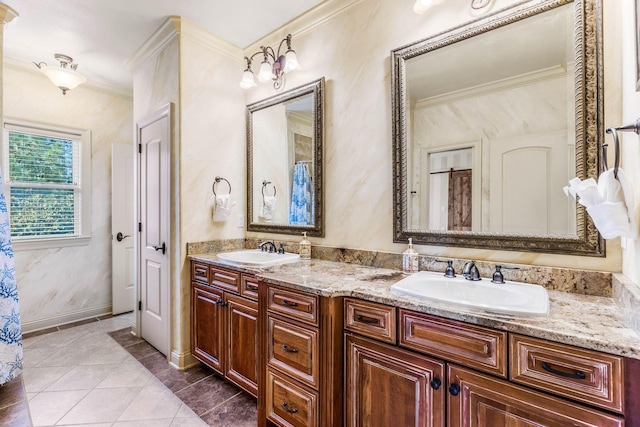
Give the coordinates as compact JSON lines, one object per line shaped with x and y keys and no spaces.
{"x":286,"y":408}
{"x":252,"y":288}
{"x":364,"y":319}
{"x":288,"y":349}
{"x":289,"y":303}
{"x":454,"y":389}
{"x":579,"y":375}
{"x":436,"y":383}
{"x":222,"y":303}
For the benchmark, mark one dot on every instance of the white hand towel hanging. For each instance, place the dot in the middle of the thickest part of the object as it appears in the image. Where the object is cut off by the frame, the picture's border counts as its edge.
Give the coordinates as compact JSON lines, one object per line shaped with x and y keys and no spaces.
{"x":269,"y":208}
{"x":222,"y":209}
{"x":609,"y":202}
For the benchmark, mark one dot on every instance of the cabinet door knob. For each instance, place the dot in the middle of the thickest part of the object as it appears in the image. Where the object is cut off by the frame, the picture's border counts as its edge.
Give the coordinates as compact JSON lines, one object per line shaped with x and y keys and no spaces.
{"x":289,"y":349}
{"x":436,"y":383}
{"x":579,"y":375}
{"x":454,"y":389}
{"x":286,"y":408}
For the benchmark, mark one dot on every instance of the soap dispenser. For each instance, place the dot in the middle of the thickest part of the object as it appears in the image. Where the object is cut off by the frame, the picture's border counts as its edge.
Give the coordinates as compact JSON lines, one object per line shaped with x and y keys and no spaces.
{"x":410,"y":259}
{"x":305,"y":247}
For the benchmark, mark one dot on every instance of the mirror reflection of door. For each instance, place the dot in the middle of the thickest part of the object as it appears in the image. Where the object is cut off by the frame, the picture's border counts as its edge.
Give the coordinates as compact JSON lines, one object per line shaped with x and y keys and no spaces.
{"x":460,"y":200}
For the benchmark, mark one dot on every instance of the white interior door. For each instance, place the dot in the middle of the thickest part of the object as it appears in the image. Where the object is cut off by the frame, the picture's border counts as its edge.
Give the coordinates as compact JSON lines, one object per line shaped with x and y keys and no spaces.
{"x":122,"y":214}
{"x":154,"y":154}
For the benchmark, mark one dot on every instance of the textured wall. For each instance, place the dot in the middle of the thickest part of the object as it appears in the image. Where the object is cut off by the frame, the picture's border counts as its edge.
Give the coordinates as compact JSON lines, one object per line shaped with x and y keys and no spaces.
{"x":63,"y":284}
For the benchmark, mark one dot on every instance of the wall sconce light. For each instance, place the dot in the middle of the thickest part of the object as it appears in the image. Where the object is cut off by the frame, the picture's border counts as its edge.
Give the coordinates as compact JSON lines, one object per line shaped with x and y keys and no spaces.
{"x":421,"y":6}
{"x":65,"y":76}
{"x":273,"y":67}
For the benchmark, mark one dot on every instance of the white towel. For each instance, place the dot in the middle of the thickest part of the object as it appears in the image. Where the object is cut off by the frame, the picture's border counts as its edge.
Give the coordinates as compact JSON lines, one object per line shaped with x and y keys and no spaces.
{"x":269,"y":208}
{"x":222,"y":208}
{"x":609,"y":202}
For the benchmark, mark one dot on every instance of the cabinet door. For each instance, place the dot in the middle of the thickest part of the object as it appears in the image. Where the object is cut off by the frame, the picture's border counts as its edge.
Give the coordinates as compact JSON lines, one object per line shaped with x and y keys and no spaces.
{"x":387,"y":386}
{"x":479,"y":400}
{"x":208,"y":327}
{"x":242,"y":361}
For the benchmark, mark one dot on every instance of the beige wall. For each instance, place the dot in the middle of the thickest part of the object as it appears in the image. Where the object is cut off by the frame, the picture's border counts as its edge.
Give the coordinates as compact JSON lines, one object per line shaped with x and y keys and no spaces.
{"x":351,"y":49}
{"x":64,"y":284}
{"x":630,"y":113}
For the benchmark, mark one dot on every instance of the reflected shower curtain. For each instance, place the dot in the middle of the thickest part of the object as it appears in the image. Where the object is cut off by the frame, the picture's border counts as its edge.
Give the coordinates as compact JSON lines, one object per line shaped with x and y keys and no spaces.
{"x":301,"y":196}
{"x":10,"y":331}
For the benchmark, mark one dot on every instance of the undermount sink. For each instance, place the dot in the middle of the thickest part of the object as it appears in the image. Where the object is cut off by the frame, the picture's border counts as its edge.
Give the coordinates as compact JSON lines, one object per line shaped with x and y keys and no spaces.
{"x":507,"y":298}
{"x":257,"y":257}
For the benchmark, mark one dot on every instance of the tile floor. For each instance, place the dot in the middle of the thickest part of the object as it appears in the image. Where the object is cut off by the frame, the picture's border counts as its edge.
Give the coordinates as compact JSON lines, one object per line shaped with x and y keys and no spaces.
{"x":98,"y":374}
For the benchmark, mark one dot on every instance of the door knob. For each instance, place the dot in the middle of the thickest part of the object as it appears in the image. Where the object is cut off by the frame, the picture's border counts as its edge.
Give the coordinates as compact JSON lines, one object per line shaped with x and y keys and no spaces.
{"x":120,"y":237}
{"x":163,"y":248}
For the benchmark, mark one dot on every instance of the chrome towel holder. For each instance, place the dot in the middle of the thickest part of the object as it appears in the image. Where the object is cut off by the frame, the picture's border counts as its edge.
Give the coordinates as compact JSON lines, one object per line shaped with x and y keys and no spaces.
{"x":216,"y":181}
{"x":633,"y":127}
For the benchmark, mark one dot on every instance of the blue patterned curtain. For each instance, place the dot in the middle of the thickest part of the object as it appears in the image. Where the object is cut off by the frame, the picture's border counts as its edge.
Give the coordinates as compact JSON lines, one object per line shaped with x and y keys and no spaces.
{"x":301,"y":196}
{"x":10,"y":331}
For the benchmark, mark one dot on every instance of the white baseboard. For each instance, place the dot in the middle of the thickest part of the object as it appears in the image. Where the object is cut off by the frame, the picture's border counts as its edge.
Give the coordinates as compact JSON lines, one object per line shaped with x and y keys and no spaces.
{"x":63,"y":319}
{"x":182,"y":361}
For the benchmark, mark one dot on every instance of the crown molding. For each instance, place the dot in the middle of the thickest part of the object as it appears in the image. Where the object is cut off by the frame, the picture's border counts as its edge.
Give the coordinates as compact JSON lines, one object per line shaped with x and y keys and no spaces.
{"x":157,"y":41}
{"x":197,"y":34}
{"x":28,"y":68}
{"x":305,"y":23}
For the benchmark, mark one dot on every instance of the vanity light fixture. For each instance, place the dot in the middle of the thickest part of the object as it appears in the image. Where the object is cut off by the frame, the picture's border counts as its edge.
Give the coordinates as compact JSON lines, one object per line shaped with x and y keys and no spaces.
{"x":65,"y":76}
{"x":273,"y":67}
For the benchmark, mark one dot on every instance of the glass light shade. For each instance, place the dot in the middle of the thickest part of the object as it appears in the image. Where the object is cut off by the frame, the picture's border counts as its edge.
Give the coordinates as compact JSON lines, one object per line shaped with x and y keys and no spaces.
{"x":65,"y":78}
{"x":248,"y":80}
{"x":266,"y":73}
{"x":291,"y":61}
{"x":421,"y":6}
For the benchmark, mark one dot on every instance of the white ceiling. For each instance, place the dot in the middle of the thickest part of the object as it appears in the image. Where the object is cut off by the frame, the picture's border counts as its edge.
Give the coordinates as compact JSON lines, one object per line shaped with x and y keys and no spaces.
{"x":101,"y":35}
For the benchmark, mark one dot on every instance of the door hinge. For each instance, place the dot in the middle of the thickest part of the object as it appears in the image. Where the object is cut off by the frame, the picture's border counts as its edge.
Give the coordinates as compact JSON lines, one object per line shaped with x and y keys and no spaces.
{"x":139,"y":305}
{"x":139,"y":148}
{"x":139,"y":227}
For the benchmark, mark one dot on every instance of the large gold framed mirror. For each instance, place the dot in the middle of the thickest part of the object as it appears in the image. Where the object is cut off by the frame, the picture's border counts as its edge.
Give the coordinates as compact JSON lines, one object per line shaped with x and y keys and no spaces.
{"x":285,"y":162}
{"x":491,"y":120}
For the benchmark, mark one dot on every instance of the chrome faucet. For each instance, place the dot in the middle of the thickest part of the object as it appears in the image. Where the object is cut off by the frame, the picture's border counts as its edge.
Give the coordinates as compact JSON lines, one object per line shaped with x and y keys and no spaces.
{"x":470,"y":271}
{"x":268,"y":246}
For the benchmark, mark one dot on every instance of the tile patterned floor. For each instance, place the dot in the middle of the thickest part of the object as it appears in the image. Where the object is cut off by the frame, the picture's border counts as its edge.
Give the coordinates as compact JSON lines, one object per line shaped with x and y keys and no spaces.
{"x":82,"y":376}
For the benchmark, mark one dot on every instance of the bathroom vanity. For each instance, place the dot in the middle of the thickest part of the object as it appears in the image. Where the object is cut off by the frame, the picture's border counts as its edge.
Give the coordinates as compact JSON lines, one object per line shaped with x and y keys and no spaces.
{"x":332,"y":345}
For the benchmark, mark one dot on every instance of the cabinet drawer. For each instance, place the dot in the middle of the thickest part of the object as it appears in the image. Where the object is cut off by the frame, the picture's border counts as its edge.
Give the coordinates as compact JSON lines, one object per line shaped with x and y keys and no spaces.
{"x":370,"y":319}
{"x":293,"y":350}
{"x":289,"y":404}
{"x":293,"y":304}
{"x":225,"y":279}
{"x":249,"y":287}
{"x":481,"y":400}
{"x":584,"y":375}
{"x":199,"y":272}
{"x":469,"y":345}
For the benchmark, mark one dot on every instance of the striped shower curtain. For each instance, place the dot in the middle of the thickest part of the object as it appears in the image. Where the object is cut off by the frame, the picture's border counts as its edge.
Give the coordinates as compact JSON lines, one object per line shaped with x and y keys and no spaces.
{"x":10,"y":331}
{"x":301,"y":196}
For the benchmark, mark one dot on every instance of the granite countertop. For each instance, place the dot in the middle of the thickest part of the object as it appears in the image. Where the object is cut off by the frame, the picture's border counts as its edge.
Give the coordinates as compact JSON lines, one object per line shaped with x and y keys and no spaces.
{"x":585,"y":321}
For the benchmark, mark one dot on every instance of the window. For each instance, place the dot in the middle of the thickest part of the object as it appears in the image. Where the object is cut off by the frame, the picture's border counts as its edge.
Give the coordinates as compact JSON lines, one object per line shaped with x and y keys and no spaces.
{"x":46,"y":172}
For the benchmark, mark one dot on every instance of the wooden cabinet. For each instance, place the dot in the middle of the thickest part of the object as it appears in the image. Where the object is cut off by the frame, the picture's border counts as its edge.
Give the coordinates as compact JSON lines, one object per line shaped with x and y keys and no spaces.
{"x":476,"y":399}
{"x":548,"y":384}
{"x":387,"y":386}
{"x":225,"y":325}
{"x":208,"y":326}
{"x":303,"y":349}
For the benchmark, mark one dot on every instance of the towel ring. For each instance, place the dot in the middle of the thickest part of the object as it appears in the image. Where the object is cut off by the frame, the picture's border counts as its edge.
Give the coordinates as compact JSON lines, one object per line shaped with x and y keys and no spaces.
{"x":217,"y":180}
{"x":264,"y":184}
{"x":614,"y":133}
